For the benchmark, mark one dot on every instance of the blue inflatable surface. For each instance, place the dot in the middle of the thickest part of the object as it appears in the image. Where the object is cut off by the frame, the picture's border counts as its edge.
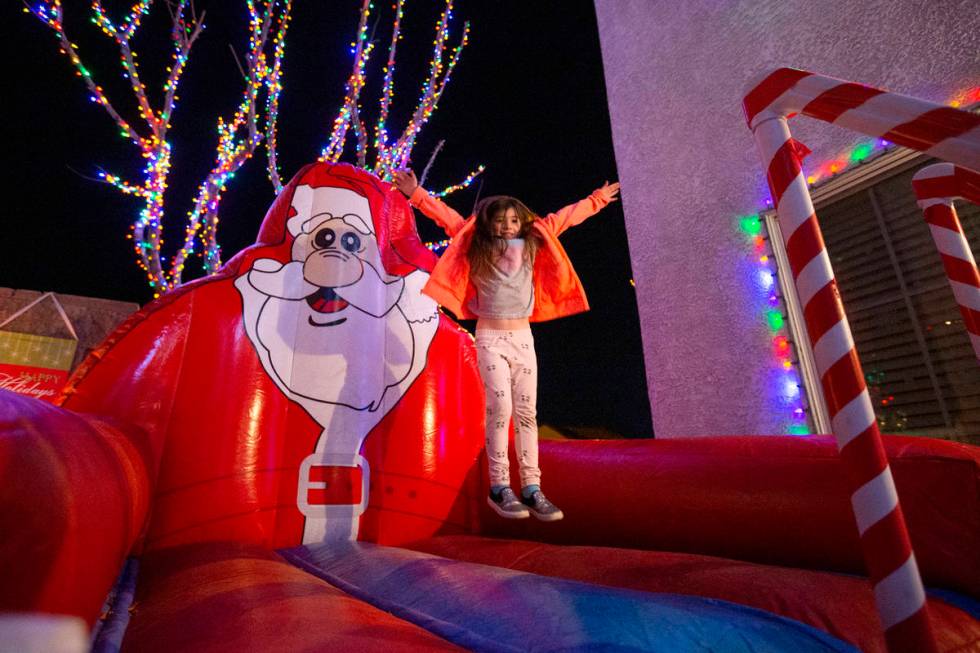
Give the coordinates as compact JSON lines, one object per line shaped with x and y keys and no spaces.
{"x":486,"y":608}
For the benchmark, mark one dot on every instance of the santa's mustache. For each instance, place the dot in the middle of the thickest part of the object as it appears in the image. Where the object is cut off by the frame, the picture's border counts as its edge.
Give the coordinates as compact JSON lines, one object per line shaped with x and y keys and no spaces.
{"x":372,"y":293}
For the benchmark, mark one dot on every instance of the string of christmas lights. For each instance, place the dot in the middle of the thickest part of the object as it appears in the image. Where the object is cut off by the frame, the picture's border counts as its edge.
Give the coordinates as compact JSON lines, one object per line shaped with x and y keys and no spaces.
{"x":463,"y":184}
{"x":361,"y":49}
{"x":788,"y":386}
{"x":438,"y":246}
{"x":146,"y":231}
{"x":398,"y":155}
{"x":432,"y":91}
{"x":239,"y":136}
{"x":274,"y":90}
{"x":388,"y":86}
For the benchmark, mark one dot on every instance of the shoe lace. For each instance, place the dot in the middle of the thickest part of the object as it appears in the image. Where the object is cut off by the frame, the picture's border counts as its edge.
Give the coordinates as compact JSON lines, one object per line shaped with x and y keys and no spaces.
{"x":542,"y":501}
{"x":507,"y":496}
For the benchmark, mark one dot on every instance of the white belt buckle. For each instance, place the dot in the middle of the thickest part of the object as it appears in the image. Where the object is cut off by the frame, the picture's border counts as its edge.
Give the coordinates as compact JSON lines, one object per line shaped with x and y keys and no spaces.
{"x":321,"y":511}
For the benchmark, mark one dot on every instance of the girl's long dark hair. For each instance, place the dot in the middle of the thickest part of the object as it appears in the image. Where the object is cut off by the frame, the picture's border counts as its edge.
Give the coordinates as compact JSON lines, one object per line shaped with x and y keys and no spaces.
{"x":485,"y":248}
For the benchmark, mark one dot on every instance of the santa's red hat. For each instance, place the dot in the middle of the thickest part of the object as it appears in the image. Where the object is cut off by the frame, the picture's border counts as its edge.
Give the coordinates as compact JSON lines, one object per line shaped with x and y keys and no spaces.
{"x":394,"y":222}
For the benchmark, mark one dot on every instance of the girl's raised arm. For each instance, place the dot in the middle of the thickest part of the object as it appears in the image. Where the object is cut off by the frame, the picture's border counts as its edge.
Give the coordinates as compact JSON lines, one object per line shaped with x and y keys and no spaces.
{"x":576,"y":213}
{"x":433,"y":208}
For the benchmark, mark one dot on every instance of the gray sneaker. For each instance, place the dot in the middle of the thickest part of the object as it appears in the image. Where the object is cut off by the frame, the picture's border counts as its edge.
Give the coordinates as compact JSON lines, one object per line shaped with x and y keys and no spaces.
{"x":506,"y":504}
{"x":542,"y":508}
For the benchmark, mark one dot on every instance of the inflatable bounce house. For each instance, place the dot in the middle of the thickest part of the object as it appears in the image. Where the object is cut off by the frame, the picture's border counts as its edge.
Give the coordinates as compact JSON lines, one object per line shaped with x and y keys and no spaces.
{"x":288,"y":456}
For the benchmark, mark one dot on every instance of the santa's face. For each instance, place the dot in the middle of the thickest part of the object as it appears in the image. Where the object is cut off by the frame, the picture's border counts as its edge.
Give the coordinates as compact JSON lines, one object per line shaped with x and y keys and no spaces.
{"x":333,"y":252}
{"x":330,"y":304}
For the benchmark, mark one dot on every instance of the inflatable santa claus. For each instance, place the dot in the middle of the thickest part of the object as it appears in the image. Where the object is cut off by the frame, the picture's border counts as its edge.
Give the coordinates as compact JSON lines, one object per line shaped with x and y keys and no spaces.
{"x":308,"y":387}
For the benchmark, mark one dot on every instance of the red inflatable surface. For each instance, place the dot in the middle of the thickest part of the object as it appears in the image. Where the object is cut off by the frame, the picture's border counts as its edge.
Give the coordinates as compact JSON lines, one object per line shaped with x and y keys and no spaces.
{"x":773,"y":500}
{"x":74,"y":497}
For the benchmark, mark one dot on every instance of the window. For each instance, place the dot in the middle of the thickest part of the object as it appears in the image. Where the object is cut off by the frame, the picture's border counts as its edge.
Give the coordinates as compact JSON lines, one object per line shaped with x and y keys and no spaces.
{"x":922,"y":372}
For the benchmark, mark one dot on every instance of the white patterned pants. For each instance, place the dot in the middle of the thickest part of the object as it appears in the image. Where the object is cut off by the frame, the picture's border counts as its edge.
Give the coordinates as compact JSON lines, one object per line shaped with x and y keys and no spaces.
{"x":509,"y":369}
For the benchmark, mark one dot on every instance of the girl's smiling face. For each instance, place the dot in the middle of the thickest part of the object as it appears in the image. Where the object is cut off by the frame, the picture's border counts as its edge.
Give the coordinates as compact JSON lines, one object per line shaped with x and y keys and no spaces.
{"x":506,"y":224}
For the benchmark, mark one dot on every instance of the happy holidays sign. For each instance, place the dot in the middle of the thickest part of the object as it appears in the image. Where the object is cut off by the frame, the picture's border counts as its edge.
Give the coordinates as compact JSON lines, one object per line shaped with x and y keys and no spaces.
{"x":32,"y":364}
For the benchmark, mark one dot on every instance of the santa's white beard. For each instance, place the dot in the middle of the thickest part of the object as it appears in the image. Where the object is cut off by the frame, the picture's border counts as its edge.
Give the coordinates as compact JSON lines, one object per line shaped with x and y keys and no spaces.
{"x":350,"y":364}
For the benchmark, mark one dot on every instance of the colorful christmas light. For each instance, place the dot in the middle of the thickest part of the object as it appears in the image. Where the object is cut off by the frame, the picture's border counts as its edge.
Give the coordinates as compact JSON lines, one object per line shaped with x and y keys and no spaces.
{"x":438,"y":246}
{"x":274,"y":89}
{"x":361,"y":49}
{"x":463,"y":184}
{"x":388,"y":86}
{"x":787,"y":386}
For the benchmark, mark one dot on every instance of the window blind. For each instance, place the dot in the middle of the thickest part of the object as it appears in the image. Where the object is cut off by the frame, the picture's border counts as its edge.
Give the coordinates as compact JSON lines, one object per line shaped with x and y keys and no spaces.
{"x":921,"y":369}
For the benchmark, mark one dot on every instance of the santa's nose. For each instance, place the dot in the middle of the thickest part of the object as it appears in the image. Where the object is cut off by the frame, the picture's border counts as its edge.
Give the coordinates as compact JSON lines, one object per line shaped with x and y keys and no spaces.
{"x":332,"y":269}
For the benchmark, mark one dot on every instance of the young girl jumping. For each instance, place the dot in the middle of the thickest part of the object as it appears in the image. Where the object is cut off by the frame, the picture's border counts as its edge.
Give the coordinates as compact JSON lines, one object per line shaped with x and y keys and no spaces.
{"x":506,"y":268}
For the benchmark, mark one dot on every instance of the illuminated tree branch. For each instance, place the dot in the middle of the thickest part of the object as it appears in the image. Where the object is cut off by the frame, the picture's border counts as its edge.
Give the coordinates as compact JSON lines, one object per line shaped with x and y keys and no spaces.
{"x":390,"y":156}
{"x":239,"y":137}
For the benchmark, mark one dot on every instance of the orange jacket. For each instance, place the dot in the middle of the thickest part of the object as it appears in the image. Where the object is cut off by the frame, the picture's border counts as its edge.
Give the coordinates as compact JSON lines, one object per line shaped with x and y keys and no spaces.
{"x":557,"y":289}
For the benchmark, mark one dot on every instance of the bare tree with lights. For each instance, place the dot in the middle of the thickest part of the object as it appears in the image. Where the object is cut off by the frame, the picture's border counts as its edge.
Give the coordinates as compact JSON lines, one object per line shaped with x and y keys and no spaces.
{"x":238,"y":137}
{"x":393,"y":153}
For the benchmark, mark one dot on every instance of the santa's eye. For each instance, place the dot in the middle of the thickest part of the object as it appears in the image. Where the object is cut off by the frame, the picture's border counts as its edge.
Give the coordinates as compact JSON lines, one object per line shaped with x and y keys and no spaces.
{"x":350,"y":241}
{"x":324,"y":238}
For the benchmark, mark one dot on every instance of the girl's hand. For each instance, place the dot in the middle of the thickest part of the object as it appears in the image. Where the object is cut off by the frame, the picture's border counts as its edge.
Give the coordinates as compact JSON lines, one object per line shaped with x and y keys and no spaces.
{"x":405,"y":181}
{"x":610,"y":191}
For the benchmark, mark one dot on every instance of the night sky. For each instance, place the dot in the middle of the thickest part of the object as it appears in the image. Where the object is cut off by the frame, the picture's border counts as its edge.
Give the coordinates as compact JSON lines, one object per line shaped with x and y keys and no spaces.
{"x":527,"y":100}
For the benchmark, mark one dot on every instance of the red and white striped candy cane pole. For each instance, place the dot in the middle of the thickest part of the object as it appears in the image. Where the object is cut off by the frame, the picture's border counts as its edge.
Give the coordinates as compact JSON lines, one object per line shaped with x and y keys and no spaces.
{"x":936,"y":186}
{"x":942,"y":131}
